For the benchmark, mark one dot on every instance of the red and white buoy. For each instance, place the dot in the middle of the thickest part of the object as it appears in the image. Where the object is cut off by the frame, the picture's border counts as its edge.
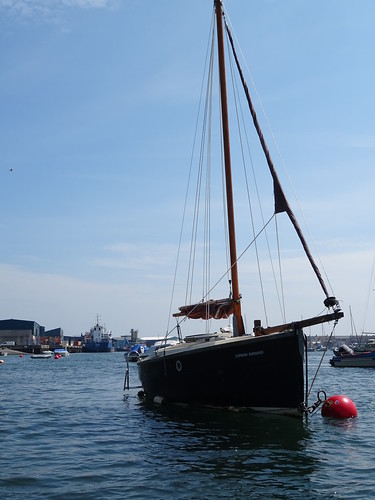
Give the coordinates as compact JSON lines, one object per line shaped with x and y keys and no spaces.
{"x":339,"y":406}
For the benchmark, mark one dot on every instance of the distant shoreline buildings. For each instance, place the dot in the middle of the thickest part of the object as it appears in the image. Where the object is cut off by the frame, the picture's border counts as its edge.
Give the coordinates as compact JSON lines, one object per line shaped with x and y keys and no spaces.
{"x":30,"y":336}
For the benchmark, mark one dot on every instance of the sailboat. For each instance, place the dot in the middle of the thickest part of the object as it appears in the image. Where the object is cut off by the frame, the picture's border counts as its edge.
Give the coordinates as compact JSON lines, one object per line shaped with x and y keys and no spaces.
{"x":360,"y":353}
{"x":262,"y":369}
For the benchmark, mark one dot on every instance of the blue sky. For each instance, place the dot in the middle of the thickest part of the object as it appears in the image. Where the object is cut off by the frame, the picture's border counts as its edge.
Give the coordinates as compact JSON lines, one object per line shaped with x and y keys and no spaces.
{"x":98,"y":104}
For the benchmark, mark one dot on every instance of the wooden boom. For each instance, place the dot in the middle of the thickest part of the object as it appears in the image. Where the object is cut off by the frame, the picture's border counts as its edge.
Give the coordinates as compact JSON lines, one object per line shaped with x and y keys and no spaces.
{"x":296,"y":325}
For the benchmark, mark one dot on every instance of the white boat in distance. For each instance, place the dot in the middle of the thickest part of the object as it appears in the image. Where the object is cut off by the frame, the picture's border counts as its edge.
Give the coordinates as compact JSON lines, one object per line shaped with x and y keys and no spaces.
{"x":42,"y":355}
{"x":262,"y":369}
{"x":61,"y":352}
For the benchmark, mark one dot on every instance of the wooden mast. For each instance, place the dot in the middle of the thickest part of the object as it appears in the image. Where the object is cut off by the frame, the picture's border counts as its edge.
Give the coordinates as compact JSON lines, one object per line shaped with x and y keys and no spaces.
{"x":228,"y":172}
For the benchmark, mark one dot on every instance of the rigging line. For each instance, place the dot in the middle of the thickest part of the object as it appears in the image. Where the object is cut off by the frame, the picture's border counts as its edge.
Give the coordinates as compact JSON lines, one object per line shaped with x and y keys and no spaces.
{"x":280,"y":155}
{"x":224,"y":206}
{"x":238,"y":106}
{"x":352,"y":324}
{"x":240,"y":256}
{"x":321,"y":360}
{"x":368,"y":295}
{"x":283,"y":312}
{"x":193,"y":240}
{"x":279,"y":294}
{"x":194,"y":232}
{"x":190,"y":171}
{"x":281,"y":203}
{"x":255,"y":237}
{"x":271,"y":260}
{"x":224,"y":201}
{"x":225,"y":273}
{"x":207,"y":223}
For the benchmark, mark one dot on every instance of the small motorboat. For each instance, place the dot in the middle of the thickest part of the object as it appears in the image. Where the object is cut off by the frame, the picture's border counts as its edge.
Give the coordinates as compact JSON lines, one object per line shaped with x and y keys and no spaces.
{"x":135,"y":352}
{"x":42,"y":355}
{"x":344,"y":356}
{"x":156,"y":348}
{"x":61,"y":352}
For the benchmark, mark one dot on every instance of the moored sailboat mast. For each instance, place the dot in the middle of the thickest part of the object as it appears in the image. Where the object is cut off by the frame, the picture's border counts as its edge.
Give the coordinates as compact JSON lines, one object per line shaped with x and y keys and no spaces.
{"x":223,"y":308}
{"x":236,"y":297}
{"x":214,"y":368}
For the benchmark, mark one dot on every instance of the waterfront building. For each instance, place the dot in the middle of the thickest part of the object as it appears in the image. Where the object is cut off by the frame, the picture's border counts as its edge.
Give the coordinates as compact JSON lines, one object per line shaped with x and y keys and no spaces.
{"x":20,"y":332}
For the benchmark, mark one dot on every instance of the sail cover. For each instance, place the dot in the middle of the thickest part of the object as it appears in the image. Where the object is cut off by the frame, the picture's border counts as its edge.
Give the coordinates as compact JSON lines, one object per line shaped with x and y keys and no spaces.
{"x":216,"y":309}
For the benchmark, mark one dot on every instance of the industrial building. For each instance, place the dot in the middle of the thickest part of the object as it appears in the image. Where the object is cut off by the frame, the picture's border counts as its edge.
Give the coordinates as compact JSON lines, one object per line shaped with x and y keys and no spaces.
{"x":20,"y":332}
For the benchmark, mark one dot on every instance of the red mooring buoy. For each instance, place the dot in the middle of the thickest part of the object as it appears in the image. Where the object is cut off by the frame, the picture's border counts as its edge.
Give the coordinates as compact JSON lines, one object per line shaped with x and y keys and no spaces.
{"x":339,"y":406}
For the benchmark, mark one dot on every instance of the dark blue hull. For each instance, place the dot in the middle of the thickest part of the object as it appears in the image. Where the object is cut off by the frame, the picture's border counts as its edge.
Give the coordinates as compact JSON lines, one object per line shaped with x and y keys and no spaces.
{"x":98,"y":347}
{"x":355,"y":360}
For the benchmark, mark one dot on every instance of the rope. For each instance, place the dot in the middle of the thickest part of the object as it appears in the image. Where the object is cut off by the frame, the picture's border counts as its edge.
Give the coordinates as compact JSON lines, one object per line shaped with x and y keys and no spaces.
{"x":255,"y":91}
{"x":321,"y":360}
{"x":239,"y":109}
{"x":208,"y":54}
{"x":281,"y":299}
{"x":222,"y":276}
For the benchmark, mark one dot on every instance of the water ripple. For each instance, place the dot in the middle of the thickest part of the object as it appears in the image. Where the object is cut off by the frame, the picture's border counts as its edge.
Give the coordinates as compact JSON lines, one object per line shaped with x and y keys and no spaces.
{"x":68,"y":432}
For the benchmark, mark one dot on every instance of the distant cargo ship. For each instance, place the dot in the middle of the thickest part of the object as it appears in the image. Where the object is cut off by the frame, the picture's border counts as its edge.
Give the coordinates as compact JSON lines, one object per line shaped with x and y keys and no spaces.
{"x":99,"y":339}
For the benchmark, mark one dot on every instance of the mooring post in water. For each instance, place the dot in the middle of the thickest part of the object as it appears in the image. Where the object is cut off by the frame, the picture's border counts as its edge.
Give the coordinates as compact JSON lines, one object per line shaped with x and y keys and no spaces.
{"x":126,"y":381}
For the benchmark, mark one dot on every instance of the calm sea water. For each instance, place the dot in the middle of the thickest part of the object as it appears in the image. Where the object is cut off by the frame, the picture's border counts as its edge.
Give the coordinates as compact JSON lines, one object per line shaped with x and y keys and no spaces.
{"x":68,"y":432}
